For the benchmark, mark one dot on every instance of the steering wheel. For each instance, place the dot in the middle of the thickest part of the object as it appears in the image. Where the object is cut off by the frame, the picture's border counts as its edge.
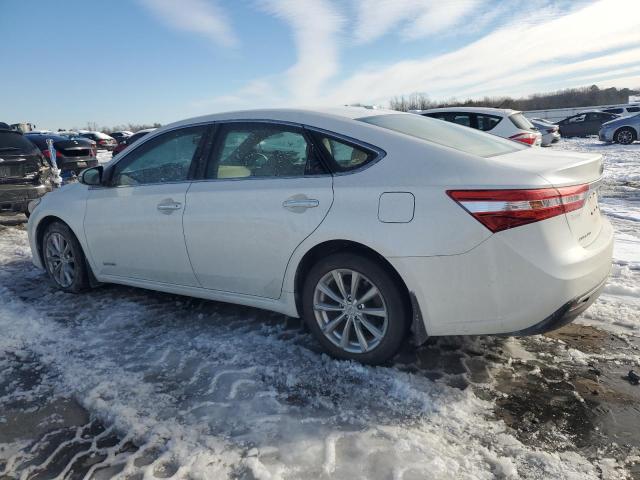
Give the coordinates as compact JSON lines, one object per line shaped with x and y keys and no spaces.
{"x":256,"y":159}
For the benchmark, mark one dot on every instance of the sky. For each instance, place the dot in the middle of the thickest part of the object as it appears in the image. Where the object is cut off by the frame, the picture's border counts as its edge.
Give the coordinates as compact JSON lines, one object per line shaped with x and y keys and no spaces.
{"x":70,"y":62}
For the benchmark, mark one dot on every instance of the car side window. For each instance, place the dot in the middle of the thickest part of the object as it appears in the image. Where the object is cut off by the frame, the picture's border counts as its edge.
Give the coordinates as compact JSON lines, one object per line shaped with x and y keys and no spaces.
{"x":577,"y":119}
{"x":262,"y":150}
{"x":461,"y":119}
{"x":165,"y":158}
{"x":346,"y":156}
{"x":633,"y":109}
{"x":487,"y":122}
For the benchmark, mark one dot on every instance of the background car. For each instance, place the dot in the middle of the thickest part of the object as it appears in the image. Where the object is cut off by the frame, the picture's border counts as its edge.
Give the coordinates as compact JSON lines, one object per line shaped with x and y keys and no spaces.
{"x":24,"y":172}
{"x":549,"y":130}
{"x":72,"y":155}
{"x":624,"y":111}
{"x":504,"y":123}
{"x":131,"y":140}
{"x":120,"y":136}
{"x":584,"y":124}
{"x":369,"y":224}
{"x":103,"y":141}
{"x":625,"y":130}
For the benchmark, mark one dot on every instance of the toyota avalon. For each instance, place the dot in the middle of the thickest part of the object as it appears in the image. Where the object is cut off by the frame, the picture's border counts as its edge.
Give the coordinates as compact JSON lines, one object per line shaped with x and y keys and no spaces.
{"x":373,"y":226}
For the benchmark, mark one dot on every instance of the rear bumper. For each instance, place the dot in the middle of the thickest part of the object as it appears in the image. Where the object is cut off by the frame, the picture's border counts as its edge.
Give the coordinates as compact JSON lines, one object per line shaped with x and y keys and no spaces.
{"x":564,"y":315}
{"x":16,"y":198}
{"x":526,"y":279}
{"x":72,"y":165}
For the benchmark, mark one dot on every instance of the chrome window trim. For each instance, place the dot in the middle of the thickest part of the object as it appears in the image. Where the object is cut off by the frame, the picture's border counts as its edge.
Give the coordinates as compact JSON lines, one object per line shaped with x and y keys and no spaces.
{"x":380,"y":153}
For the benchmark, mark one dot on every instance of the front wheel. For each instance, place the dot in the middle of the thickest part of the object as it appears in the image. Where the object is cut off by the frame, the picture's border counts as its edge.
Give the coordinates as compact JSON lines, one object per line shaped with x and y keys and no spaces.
{"x":625,"y":136}
{"x":64,"y":259}
{"x":354,"y":308}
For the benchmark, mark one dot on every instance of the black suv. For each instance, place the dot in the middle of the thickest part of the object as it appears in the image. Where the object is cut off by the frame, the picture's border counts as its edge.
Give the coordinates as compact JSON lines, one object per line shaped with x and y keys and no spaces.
{"x":24,"y":172}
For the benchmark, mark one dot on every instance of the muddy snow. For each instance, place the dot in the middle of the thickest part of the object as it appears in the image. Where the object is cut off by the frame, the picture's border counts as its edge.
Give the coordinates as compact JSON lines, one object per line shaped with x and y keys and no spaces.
{"x":128,"y":383}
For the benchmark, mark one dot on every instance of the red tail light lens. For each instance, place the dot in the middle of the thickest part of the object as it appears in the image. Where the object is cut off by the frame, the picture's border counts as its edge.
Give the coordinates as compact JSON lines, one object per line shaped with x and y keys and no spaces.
{"x":503,"y":209}
{"x":47,"y":154}
{"x":526,"y":138}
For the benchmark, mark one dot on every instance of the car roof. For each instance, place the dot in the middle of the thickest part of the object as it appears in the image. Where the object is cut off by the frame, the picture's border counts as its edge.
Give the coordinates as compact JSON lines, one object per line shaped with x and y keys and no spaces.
{"x":294,"y":115}
{"x":494,"y":111}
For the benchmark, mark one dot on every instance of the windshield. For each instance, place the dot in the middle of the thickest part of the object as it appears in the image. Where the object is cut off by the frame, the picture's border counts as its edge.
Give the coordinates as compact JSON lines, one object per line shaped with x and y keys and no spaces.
{"x":445,"y":133}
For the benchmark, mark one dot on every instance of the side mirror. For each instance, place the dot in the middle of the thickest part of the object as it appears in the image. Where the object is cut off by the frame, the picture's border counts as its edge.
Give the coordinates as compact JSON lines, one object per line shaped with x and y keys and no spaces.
{"x":92,"y":176}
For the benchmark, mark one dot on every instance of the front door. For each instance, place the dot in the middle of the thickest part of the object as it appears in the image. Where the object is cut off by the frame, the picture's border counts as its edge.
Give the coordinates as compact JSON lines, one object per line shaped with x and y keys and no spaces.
{"x":134,"y":225}
{"x":265,"y":191}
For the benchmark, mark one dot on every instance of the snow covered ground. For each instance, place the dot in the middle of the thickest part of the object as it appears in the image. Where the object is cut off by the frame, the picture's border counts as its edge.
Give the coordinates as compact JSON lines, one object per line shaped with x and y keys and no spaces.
{"x":136,"y":384}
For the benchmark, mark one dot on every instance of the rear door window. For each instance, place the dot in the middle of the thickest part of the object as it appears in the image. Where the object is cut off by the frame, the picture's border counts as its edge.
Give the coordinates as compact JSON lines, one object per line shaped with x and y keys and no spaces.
{"x":633,"y":109}
{"x":487,"y":122}
{"x":262,"y":150}
{"x":461,"y":118}
{"x":577,"y":118}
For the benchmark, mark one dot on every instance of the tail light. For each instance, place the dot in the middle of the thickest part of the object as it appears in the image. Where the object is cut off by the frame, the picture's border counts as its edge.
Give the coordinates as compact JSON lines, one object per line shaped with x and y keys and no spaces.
{"x":526,"y":138}
{"x":47,"y":154}
{"x":503,"y":209}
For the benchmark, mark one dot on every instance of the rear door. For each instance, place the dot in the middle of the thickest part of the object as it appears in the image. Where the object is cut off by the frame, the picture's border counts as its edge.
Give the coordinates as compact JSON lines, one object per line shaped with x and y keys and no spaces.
{"x":134,"y":226}
{"x":264,"y":191}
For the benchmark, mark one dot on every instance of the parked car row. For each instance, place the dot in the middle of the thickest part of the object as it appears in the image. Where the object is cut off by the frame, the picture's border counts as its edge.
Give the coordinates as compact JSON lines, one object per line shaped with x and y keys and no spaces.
{"x":513,"y":125}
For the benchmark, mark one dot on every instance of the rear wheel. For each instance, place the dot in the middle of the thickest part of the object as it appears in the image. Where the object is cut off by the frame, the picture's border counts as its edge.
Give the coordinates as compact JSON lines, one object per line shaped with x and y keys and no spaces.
{"x":354,"y":308}
{"x":64,"y":259}
{"x":625,"y":136}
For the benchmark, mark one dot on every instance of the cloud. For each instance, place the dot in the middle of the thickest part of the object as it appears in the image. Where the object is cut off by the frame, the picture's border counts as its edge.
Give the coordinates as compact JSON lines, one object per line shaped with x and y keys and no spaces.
{"x":196,"y":16}
{"x":502,"y":58}
{"x":414,"y":18}
{"x":315,"y":26}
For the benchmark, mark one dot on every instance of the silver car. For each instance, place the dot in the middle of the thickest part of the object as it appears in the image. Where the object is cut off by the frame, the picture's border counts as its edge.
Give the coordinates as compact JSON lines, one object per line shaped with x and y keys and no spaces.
{"x":624,"y":130}
{"x":549,"y":130}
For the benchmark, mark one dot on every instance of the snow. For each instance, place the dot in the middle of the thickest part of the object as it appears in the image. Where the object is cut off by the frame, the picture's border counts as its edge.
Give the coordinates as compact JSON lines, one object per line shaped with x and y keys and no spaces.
{"x":224,"y":391}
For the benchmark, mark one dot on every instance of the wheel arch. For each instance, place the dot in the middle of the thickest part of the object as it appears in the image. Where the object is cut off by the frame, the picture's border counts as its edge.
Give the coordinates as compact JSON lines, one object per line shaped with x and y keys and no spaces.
{"x":635,"y":131}
{"x":328,"y":247}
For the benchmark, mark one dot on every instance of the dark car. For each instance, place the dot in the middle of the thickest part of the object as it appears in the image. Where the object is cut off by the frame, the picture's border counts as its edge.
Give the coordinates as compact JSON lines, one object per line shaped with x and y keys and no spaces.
{"x":72,"y":155}
{"x":584,"y":124}
{"x":103,"y":141}
{"x":131,"y":140}
{"x":120,"y":136}
{"x":24,"y":172}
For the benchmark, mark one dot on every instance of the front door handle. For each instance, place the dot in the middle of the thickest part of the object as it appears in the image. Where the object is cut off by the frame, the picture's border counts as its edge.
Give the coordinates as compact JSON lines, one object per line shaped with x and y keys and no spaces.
{"x":168,"y":206}
{"x":297,"y":204}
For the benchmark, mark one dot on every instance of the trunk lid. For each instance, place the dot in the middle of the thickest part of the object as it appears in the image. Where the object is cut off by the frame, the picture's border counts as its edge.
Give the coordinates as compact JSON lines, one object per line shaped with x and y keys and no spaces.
{"x":562,"y":169}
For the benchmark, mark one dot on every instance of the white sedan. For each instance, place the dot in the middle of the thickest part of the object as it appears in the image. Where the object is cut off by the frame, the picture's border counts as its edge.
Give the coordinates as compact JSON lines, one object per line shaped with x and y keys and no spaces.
{"x":371,"y":225}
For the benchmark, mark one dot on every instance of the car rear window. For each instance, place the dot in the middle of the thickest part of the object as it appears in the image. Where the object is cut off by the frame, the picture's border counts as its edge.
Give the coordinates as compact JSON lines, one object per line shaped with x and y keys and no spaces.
{"x":15,"y":143}
{"x":520,"y":121}
{"x":445,"y":133}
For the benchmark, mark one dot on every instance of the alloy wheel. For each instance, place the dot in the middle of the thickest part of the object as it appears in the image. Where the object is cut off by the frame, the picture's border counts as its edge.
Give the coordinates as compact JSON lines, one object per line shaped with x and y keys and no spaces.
{"x":625,"y":137}
{"x":350,"y":310}
{"x":60,"y":260}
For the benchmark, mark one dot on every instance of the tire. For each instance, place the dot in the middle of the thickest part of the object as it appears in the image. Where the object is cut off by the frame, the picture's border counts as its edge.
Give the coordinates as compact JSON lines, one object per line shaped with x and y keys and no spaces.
{"x":625,"y":136}
{"x":371,"y":338}
{"x":69,"y":274}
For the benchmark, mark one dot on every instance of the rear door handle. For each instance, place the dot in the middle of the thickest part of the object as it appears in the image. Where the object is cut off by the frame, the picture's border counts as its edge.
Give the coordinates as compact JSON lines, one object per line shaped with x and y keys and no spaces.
{"x":300,"y":203}
{"x":168,"y":206}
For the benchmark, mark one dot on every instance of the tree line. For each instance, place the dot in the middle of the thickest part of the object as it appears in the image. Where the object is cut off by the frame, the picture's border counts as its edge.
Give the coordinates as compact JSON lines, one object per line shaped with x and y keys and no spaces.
{"x":567,"y":98}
